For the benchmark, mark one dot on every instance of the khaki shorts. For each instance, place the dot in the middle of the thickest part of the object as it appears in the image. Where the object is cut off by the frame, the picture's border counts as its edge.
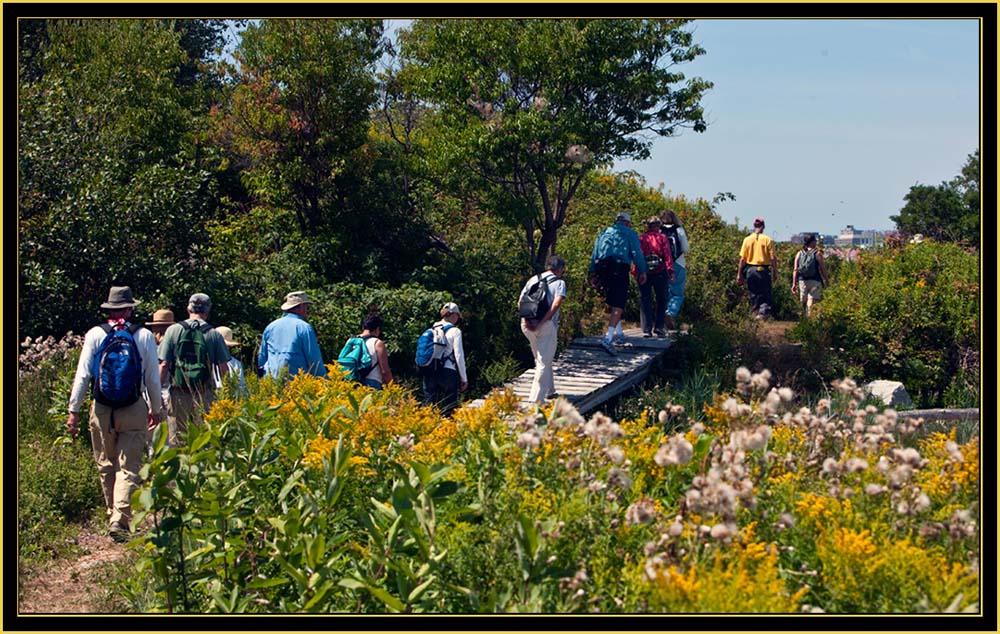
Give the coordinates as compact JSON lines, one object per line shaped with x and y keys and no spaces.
{"x":810,"y":289}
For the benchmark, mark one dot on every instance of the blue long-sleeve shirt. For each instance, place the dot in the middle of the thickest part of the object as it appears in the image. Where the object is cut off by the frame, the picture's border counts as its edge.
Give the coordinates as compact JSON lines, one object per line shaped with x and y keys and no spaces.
{"x":290,"y":341}
{"x":620,"y":243}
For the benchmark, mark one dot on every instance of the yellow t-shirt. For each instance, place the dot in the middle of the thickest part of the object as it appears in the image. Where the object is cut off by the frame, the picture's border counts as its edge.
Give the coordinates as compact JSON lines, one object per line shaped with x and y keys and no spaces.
{"x":757,"y":249}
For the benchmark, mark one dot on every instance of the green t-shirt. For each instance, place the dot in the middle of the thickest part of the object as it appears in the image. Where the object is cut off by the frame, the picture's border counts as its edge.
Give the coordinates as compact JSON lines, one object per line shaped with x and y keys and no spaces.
{"x":218,"y":352}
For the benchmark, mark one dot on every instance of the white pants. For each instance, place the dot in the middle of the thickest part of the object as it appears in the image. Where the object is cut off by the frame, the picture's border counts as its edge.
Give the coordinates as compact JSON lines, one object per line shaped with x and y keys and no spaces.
{"x":543,"y":348}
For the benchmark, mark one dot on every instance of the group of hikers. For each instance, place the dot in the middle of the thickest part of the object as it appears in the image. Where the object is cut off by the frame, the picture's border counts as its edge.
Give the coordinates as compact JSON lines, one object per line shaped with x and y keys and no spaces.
{"x":142,"y":374}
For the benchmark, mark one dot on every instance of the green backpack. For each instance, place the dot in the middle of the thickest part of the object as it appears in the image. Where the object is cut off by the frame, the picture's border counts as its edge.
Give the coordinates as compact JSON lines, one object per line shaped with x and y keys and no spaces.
{"x":192,"y":368}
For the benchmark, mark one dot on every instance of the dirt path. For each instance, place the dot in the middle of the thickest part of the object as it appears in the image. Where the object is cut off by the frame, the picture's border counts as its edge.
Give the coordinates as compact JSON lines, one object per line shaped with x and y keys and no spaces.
{"x":73,"y":585}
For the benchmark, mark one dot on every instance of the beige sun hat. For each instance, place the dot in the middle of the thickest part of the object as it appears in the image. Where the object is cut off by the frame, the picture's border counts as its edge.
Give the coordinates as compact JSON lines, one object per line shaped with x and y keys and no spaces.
{"x":119,"y":297}
{"x":227,"y":335}
{"x":162,"y":317}
{"x":295,"y":298}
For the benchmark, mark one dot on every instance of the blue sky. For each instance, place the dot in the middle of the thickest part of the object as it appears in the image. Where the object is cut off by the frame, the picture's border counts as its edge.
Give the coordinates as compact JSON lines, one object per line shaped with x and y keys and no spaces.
{"x":817,"y":124}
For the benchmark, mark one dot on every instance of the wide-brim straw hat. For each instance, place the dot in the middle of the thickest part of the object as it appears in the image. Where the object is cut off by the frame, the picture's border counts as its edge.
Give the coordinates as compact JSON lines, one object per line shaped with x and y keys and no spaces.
{"x":227,"y":335}
{"x":294,"y":299}
{"x":119,"y":297}
{"x":162,"y":317}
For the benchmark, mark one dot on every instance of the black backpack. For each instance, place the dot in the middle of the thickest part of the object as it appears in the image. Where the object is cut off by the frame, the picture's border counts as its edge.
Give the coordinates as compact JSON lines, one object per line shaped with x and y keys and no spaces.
{"x":675,"y":241}
{"x":535,"y":303}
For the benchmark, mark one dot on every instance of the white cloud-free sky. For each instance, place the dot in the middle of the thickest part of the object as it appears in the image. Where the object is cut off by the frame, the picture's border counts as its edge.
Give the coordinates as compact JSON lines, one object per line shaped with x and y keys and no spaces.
{"x":817,"y":124}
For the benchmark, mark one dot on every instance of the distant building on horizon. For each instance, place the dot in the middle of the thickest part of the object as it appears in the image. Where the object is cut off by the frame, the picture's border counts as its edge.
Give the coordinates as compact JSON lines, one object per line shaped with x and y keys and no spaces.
{"x":851,"y":237}
{"x":824,"y":239}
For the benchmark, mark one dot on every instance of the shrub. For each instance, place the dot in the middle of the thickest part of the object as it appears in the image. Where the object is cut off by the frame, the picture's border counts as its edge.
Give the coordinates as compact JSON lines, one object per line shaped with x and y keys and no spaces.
{"x":324,"y":496}
{"x":910,"y":314}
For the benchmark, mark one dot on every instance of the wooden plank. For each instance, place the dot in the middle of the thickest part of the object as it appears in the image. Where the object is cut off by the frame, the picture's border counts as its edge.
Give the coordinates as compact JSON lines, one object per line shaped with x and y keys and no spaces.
{"x":587,"y":376}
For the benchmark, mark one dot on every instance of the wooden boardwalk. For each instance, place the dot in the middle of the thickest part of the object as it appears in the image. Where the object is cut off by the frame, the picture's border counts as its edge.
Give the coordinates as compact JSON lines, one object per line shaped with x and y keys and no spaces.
{"x":587,"y":376}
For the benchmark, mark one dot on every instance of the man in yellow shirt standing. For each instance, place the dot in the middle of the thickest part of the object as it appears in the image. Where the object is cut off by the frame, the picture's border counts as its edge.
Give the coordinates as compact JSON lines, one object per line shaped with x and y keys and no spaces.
{"x":759,"y":267}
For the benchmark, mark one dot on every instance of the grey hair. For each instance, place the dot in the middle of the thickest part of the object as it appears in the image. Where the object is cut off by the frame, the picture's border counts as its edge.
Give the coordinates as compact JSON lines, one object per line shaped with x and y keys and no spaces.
{"x":554,"y":262}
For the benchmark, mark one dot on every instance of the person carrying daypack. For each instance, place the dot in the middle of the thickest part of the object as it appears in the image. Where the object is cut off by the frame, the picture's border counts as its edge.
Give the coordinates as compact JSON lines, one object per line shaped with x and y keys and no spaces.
{"x":656,"y":249}
{"x":191,"y":352}
{"x":541,"y":330}
{"x":809,"y":275}
{"x":118,"y":364}
{"x":364,"y":357}
{"x":679,"y":246}
{"x":615,"y":249}
{"x":440,"y":360}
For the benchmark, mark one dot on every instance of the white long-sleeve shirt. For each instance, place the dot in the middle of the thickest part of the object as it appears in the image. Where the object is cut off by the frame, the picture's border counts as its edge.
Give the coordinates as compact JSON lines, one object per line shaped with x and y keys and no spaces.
{"x":150,"y":367}
{"x":454,"y":337}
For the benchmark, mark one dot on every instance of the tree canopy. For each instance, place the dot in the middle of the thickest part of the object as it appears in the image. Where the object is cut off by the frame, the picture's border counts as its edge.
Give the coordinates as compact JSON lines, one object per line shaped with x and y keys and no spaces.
{"x":532,"y":105}
{"x":949,"y":212}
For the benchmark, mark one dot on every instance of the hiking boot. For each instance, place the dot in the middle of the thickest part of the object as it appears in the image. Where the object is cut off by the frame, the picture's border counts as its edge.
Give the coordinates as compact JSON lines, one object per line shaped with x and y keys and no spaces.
{"x":647,"y":335}
{"x":620,"y":340}
{"x":609,"y":347}
{"x":119,"y":532}
{"x":659,"y":333}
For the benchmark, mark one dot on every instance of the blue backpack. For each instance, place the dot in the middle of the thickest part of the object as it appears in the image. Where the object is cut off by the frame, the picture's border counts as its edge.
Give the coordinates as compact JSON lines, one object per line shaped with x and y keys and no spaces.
{"x":431,"y":346}
{"x":355,"y":359}
{"x":117,"y":368}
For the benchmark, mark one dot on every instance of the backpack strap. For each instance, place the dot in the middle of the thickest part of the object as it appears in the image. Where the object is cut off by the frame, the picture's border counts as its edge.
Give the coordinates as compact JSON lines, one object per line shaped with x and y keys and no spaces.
{"x":374,"y":356}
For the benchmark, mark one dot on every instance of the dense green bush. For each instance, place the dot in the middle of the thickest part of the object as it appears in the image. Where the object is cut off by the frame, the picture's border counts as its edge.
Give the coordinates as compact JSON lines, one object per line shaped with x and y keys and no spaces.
{"x":909,"y":314}
{"x":56,"y":478}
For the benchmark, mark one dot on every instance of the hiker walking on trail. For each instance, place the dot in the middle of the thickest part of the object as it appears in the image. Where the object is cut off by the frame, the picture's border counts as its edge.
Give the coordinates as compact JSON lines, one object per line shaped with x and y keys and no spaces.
{"x":190,"y":353}
{"x":809,"y":275}
{"x":364,"y":356}
{"x":162,"y":319}
{"x":119,"y":362}
{"x":445,"y":377}
{"x":615,"y":250}
{"x":538,"y":305}
{"x":759,"y":267}
{"x":659,"y":259}
{"x":289,"y":342}
{"x":679,"y":246}
{"x":235,"y":365}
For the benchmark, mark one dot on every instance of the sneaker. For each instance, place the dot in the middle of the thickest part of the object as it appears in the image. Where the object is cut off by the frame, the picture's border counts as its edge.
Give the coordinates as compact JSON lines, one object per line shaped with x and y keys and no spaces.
{"x":647,"y":335}
{"x":119,"y":532}
{"x":619,"y":340}
{"x":659,"y":333}
{"x":609,"y":347}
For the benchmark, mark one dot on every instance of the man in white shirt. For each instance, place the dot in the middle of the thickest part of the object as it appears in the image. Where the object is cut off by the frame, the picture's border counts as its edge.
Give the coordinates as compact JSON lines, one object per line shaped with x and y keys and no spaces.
{"x":542,"y":333}
{"x":118,"y":432}
{"x":441,"y":387}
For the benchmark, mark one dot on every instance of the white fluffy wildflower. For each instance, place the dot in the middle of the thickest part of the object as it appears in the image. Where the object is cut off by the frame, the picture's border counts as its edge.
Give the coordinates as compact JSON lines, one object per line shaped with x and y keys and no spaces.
{"x":856,"y":465}
{"x":721,"y":531}
{"x":830,"y":467}
{"x":676,"y":451}
{"x":786,"y":394}
{"x":875,"y":489}
{"x":642,"y":511}
{"x":619,"y":478}
{"x":823,"y":406}
{"x":405,"y":441}
{"x":615,"y":454}
{"x":529,"y":440}
{"x":676,"y":529}
{"x":761,"y":381}
{"x":742,"y":375}
{"x":922,"y":503}
{"x":953,"y":451}
{"x":596,"y":486}
{"x":565,"y":413}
